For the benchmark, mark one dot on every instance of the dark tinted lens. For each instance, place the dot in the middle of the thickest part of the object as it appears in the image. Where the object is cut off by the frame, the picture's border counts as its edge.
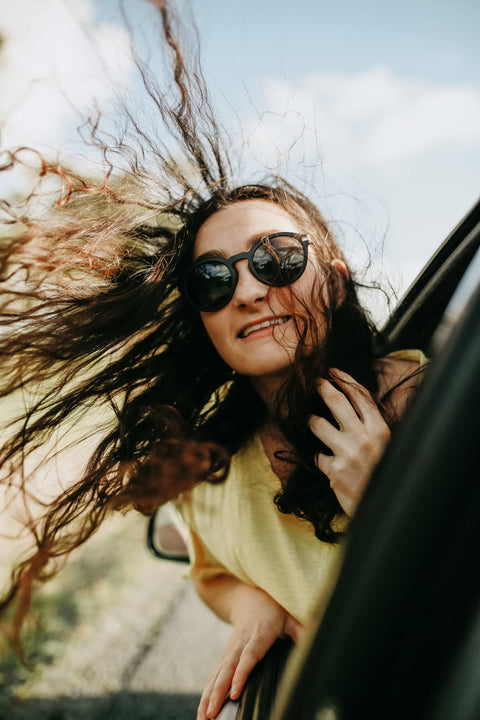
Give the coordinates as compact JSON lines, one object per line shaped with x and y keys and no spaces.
{"x":280,"y":260}
{"x":210,"y":284}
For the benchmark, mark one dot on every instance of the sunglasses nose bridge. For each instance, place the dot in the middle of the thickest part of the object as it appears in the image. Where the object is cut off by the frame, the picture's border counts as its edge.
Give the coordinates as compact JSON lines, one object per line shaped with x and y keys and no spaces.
{"x":248,"y":287}
{"x":235,"y":259}
{"x":240,"y":256}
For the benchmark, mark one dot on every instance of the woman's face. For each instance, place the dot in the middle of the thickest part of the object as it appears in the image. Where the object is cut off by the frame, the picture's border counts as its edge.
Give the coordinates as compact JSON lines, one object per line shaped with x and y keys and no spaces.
{"x":258,"y":352}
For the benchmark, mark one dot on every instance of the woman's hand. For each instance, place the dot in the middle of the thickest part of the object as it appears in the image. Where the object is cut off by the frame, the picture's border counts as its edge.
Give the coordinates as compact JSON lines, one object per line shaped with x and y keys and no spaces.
{"x":257,"y":622}
{"x":357,"y":444}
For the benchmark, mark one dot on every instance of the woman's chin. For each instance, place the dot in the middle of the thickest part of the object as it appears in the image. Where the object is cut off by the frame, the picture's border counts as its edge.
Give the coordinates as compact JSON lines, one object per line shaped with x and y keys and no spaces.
{"x":265,"y":362}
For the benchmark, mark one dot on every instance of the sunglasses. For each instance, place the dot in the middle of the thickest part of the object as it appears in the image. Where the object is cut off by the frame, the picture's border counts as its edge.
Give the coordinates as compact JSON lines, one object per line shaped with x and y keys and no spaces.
{"x":276,"y":260}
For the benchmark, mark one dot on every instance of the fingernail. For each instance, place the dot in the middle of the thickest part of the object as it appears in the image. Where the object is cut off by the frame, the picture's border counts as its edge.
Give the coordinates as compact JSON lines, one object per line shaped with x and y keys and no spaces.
{"x":210,"y":708}
{"x":234,"y":692}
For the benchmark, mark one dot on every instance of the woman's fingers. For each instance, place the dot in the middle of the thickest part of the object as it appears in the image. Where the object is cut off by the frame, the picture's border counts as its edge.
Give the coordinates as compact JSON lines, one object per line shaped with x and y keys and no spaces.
{"x":372,"y":419}
{"x":219,"y":683}
{"x":231,"y":675}
{"x":359,"y":397}
{"x":350,"y":405}
{"x":324,"y":464}
{"x":250,"y":656}
{"x":356,"y":445}
{"x":215,"y":694}
{"x":325,"y":432}
{"x":339,"y":405}
{"x":205,"y":699}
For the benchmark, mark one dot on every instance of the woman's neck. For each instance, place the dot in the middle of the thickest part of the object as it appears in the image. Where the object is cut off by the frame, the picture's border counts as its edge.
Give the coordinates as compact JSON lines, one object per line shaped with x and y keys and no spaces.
{"x":274,"y":441}
{"x":267,"y":387}
{"x":272,"y":438}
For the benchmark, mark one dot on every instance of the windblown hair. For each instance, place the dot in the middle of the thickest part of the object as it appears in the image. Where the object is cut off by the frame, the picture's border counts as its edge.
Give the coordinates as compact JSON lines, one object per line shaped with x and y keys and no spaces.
{"x":94,"y":322}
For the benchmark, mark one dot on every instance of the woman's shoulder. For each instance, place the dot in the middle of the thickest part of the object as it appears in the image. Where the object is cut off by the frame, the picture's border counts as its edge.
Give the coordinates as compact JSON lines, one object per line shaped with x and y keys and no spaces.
{"x":399,"y":373}
{"x":399,"y":366}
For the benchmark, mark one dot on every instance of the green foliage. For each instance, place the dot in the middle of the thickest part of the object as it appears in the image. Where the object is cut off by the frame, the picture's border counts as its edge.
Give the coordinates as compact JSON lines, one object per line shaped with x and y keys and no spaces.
{"x":53,"y":618}
{"x":72,"y":601}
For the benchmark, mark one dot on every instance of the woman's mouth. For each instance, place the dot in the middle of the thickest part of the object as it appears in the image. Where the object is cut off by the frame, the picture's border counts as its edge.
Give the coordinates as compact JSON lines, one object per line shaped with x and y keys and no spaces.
{"x":263,"y":324}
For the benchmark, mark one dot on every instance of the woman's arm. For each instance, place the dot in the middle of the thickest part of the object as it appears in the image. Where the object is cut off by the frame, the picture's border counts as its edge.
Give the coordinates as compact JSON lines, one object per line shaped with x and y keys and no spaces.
{"x":257,"y":619}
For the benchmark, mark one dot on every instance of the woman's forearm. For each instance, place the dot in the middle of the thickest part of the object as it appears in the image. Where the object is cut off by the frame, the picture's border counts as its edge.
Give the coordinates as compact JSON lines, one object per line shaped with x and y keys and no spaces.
{"x":226,"y":595}
{"x":257,"y":619}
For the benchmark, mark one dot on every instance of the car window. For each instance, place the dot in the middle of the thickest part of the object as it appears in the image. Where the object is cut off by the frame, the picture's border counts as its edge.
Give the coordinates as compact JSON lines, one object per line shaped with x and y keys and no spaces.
{"x":403,"y":614}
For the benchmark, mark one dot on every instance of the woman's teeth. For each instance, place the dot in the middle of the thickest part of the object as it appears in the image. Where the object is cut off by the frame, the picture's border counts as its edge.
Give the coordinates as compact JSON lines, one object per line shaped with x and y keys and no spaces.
{"x":266,"y":323}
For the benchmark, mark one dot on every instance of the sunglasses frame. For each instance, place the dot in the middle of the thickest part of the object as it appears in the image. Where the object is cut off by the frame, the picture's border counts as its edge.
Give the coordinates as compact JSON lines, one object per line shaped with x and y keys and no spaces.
{"x":230,"y":262}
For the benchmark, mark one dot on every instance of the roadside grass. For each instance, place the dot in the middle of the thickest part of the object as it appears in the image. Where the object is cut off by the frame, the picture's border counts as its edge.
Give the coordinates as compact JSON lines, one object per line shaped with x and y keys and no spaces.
{"x":53,"y":618}
{"x":68,"y":604}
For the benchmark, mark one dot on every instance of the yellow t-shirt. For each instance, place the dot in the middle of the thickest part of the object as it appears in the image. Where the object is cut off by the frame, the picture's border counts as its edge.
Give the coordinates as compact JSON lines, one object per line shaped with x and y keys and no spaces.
{"x":235,"y":527}
{"x":244,"y":534}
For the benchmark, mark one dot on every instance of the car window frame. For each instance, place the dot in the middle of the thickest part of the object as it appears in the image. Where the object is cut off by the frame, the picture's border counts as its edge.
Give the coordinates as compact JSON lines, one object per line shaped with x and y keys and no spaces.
{"x":331,"y":663}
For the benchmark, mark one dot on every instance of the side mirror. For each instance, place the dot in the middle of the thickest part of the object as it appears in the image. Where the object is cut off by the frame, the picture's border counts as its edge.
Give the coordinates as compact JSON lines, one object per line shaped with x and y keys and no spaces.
{"x":166,"y":537}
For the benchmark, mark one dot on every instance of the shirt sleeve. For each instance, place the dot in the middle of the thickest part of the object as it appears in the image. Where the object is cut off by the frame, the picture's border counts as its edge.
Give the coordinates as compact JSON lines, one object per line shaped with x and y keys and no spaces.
{"x":203,"y":564}
{"x":415,"y":356}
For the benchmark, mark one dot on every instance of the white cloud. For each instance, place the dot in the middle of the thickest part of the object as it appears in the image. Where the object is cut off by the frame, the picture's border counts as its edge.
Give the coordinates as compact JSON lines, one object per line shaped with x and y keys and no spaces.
{"x":385,"y":156}
{"x":364,"y":119}
{"x":55,"y":62}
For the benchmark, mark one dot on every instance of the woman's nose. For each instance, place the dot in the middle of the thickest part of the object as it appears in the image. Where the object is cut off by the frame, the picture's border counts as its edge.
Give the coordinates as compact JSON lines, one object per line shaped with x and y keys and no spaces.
{"x":249,"y":290}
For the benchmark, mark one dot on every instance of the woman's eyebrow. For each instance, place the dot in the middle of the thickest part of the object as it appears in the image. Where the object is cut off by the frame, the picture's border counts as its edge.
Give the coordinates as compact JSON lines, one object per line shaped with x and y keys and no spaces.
{"x":222,"y":254}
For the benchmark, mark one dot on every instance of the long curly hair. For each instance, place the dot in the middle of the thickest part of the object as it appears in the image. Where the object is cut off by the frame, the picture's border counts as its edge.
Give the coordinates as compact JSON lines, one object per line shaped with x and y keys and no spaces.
{"x":94,"y":324}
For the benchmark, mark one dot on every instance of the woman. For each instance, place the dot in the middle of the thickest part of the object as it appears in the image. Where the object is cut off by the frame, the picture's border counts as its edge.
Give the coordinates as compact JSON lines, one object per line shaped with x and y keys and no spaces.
{"x":289,"y":333}
{"x":221,"y":325}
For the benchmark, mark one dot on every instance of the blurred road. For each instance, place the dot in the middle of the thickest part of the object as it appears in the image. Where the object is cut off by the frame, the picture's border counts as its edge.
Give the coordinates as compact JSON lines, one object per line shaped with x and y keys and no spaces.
{"x":145,"y":656}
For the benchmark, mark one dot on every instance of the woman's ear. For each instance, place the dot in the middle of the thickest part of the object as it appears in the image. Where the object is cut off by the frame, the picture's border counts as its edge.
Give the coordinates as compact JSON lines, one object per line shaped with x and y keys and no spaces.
{"x":341,"y":277}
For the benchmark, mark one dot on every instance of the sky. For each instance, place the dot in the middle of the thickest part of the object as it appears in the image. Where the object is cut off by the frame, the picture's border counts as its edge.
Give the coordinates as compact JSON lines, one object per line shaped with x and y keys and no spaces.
{"x":375,"y":105}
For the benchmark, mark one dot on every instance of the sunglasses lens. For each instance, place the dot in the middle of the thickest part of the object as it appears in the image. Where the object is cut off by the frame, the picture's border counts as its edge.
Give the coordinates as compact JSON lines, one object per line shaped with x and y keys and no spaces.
{"x":280,"y":260}
{"x":210,"y":285}
{"x":275,"y":260}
